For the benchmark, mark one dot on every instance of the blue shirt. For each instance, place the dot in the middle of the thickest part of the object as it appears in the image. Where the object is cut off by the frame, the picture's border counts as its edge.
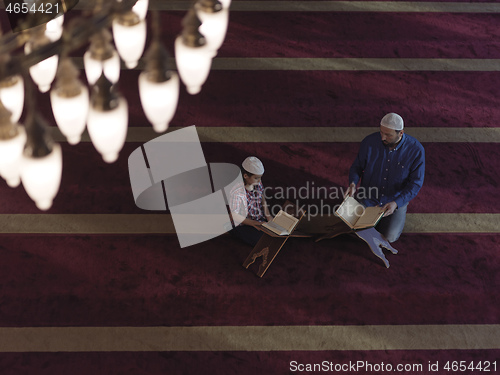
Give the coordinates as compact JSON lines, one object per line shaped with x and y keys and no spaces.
{"x":387,"y":175}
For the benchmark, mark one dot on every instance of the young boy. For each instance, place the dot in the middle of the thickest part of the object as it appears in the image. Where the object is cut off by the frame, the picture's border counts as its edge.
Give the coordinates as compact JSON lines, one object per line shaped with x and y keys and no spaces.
{"x":248,"y":204}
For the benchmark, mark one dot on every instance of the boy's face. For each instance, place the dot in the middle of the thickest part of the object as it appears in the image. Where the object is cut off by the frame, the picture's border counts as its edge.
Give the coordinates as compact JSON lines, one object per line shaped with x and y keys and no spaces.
{"x":252,"y":179}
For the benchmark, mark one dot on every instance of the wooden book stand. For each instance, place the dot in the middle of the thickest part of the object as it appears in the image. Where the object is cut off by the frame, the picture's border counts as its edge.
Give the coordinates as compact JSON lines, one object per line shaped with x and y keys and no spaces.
{"x":270,"y":243}
{"x":321,"y":227}
{"x":374,"y":239}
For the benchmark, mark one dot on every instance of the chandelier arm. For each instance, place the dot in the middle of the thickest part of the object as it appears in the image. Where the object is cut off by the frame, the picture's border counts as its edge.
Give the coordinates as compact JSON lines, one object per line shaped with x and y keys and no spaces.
{"x":155,"y":25}
{"x":39,"y":142}
{"x":78,"y":37}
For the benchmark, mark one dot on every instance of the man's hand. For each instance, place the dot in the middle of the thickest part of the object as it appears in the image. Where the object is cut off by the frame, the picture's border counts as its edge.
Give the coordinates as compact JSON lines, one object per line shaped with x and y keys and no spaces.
{"x":350,"y":190}
{"x":389,"y":208}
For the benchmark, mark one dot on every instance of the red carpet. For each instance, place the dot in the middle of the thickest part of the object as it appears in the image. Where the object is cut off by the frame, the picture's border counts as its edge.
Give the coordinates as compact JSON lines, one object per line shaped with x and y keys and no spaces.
{"x":360,"y":34}
{"x":241,"y":363}
{"x":353,"y":34}
{"x":148,"y":281}
{"x":331,"y":98}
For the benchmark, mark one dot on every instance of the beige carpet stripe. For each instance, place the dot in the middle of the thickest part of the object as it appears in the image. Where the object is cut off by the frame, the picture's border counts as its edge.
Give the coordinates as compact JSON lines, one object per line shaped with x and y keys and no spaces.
{"x":86,"y":224}
{"x":330,"y":6}
{"x":452,"y":223}
{"x":340,"y":64}
{"x":253,"y":338}
{"x":356,"y":64}
{"x":163,"y":224}
{"x":308,"y":134}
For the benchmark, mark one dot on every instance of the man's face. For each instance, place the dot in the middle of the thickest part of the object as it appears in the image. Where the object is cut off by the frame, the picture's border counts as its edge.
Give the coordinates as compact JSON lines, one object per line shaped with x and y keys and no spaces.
{"x":390,"y":136}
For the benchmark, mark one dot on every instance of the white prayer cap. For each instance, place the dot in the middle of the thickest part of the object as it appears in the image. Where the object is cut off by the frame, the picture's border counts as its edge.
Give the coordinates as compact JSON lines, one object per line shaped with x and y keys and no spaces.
{"x":392,"y":121}
{"x":253,"y":165}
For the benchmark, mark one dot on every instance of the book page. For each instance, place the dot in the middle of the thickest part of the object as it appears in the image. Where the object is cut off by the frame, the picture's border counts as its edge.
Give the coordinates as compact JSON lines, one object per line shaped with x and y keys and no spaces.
{"x":370,"y":217}
{"x":285,"y":221}
{"x":350,"y":210}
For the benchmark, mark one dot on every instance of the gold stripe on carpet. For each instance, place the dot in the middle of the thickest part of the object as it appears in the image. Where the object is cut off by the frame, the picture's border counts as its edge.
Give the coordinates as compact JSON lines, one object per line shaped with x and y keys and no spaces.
{"x":339,"y":64}
{"x":307,"y":134}
{"x":356,"y":64}
{"x":163,"y":224}
{"x":253,"y":338}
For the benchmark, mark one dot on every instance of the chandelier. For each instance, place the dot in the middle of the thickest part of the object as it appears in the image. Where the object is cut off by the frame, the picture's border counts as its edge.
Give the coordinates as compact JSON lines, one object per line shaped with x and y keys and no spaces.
{"x":114,"y":31}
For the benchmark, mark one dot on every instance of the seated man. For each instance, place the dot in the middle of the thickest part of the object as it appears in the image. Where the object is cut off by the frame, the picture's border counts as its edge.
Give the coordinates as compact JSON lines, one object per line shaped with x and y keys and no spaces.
{"x":248,"y":204}
{"x":391,"y":164}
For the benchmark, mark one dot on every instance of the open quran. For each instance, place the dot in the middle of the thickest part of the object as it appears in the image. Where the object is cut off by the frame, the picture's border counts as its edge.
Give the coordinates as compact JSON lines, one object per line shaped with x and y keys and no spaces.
{"x":282,"y":224}
{"x":358,"y":216}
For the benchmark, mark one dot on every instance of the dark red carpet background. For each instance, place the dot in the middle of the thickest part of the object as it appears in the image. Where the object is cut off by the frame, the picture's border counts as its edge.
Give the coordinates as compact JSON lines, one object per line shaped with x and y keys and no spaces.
{"x":147,"y":280}
{"x":111,"y":280}
{"x":242,"y":363}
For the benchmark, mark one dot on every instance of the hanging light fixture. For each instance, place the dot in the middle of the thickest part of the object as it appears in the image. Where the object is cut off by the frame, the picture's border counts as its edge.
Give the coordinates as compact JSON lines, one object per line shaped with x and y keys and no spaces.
{"x":40,"y":165}
{"x":101,"y":58}
{"x":12,"y":140}
{"x":225,"y":3}
{"x":108,"y":119}
{"x":141,"y":8}
{"x":44,"y":72}
{"x":158,"y":86}
{"x":55,"y":28}
{"x":129,"y":33}
{"x":70,"y":101}
{"x":41,"y":168}
{"x":12,"y":95}
{"x":214,"y":19}
{"x":192,"y":54}
{"x":11,"y":88}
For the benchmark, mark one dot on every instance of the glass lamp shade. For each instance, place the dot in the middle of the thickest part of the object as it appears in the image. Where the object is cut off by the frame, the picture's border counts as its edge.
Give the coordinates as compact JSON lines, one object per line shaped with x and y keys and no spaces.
{"x":108,"y":130}
{"x":94,"y":68}
{"x":41,"y":177}
{"x":11,"y":152}
{"x":12,"y":97}
{"x":130,"y":41}
{"x":44,"y":72}
{"x":71,"y":114}
{"x":159,"y":100}
{"x":225,"y":3}
{"x":193,"y":64}
{"x":54,"y":28}
{"x":214,"y":28}
{"x":141,"y":8}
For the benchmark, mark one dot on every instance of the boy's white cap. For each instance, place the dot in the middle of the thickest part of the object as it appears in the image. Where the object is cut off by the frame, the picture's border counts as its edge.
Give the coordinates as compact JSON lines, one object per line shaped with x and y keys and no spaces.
{"x":392,"y":121}
{"x":253,"y":165}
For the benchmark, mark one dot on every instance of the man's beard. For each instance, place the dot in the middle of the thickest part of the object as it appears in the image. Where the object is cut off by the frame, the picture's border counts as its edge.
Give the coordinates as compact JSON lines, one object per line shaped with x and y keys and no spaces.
{"x":390,"y":144}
